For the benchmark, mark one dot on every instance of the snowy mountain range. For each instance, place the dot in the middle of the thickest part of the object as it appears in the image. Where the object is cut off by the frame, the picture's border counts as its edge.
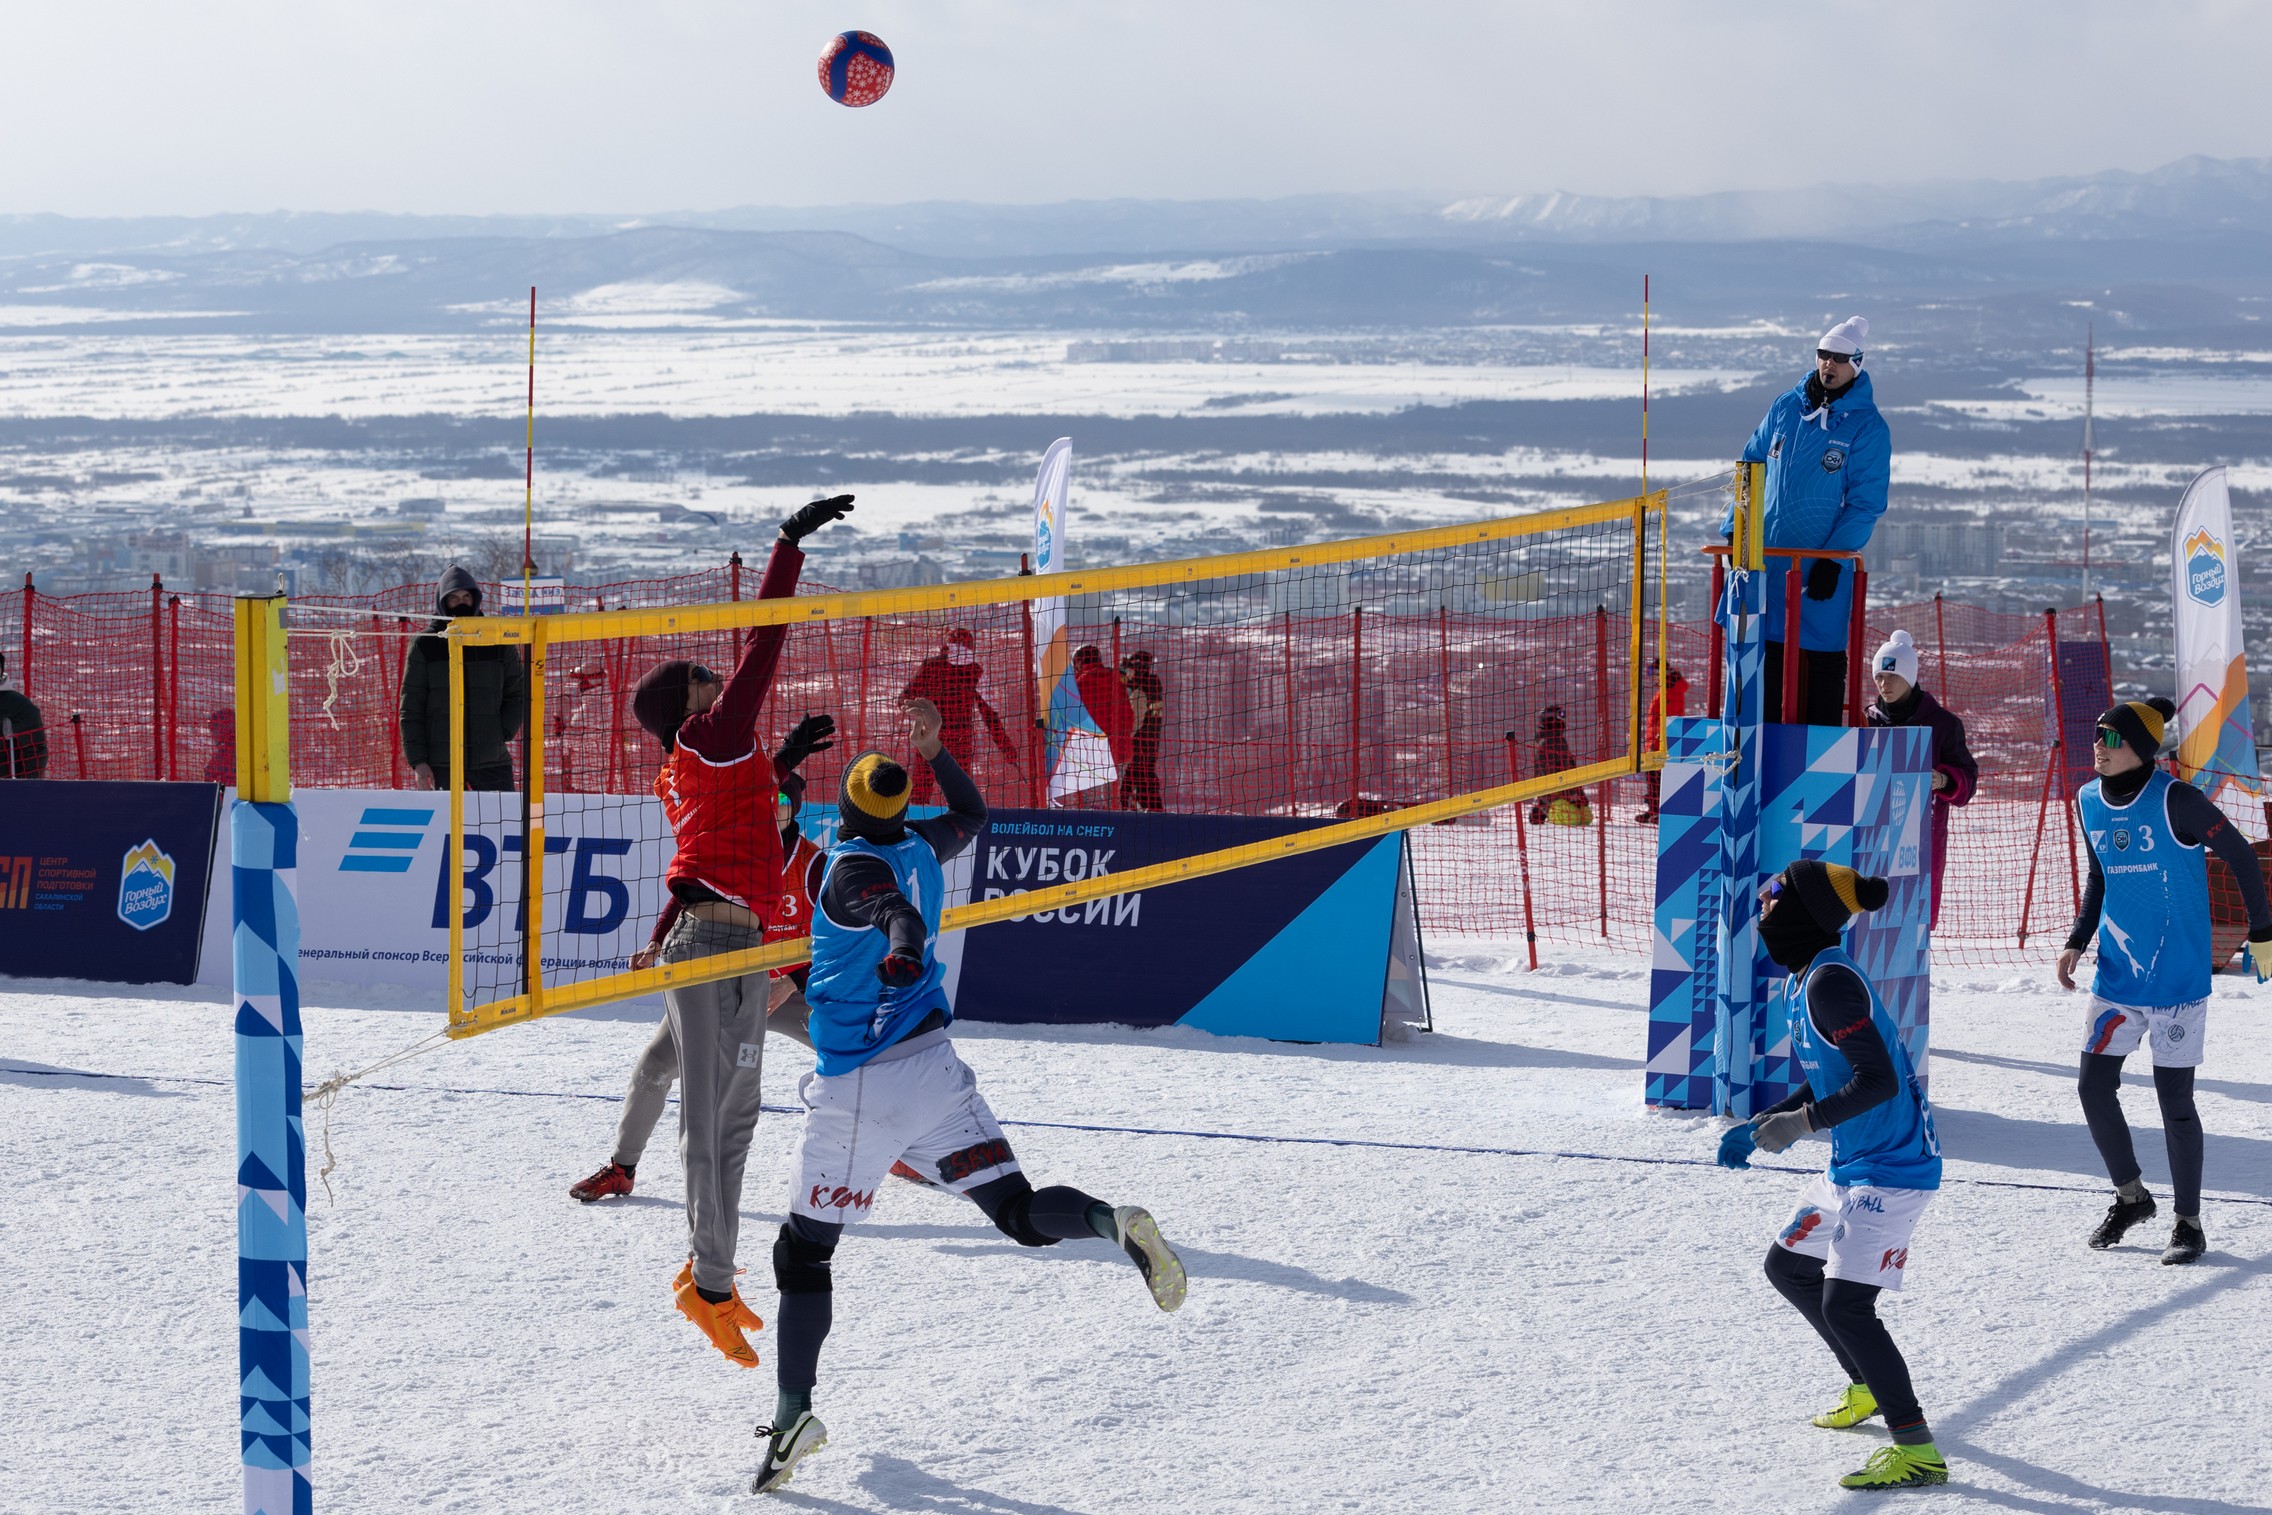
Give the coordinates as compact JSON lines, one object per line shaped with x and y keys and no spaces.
{"x":2175,"y":252}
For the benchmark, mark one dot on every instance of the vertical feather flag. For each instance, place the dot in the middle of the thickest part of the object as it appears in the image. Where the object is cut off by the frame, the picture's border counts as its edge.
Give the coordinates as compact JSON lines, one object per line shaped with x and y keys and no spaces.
{"x":2216,"y":731}
{"x":1075,"y":755}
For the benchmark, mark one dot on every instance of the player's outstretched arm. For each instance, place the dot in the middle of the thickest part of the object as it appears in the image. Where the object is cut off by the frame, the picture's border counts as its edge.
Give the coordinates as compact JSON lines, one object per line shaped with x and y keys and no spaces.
{"x":948,"y":834}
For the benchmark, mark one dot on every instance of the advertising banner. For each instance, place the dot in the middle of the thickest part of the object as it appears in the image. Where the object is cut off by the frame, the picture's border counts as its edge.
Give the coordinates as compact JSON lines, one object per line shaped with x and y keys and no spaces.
{"x":1075,"y":756}
{"x":106,"y":882}
{"x":1306,"y":948}
{"x":2216,"y":747}
{"x":1296,"y":949}
{"x":374,"y":886}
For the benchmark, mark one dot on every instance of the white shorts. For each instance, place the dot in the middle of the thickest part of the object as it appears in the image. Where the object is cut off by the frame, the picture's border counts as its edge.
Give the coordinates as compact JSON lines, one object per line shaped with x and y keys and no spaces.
{"x":2176,"y":1033}
{"x":923,"y":1107}
{"x":1861,"y":1233}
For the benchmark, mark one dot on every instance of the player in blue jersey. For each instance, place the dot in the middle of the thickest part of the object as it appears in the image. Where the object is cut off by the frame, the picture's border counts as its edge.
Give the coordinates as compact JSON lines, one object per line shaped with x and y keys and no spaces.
{"x":2148,"y":907}
{"x":887,"y":1085}
{"x":1849,"y":1237}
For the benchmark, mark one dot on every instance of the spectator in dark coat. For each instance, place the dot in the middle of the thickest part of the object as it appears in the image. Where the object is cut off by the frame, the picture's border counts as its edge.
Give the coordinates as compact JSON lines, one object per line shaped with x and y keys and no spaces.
{"x":1550,"y":753}
{"x":23,"y":735}
{"x":1672,"y":700}
{"x":949,"y":679}
{"x":496,"y":698}
{"x":1140,"y":779}
{"x":1902,"y":702}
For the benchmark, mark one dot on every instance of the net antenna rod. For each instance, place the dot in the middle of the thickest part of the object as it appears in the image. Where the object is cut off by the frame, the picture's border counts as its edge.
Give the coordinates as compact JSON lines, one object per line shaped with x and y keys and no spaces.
{"x":2090,"y":385}
{"x":528,"y":476}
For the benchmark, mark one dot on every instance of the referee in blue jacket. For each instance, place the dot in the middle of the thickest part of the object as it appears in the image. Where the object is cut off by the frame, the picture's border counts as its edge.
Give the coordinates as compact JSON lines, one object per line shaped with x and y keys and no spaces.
{"x":1829,"y":457}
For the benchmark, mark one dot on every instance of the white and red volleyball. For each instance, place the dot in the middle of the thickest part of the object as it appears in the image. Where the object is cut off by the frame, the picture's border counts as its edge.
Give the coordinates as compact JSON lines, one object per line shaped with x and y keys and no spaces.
{"x":855,"y":68}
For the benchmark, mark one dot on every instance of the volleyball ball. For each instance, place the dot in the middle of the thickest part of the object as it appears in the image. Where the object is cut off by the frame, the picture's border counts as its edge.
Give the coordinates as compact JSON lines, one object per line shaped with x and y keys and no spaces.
{"x":855,"y":68}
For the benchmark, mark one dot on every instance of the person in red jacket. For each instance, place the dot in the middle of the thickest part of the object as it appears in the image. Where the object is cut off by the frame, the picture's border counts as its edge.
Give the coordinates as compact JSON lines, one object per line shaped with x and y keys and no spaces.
{"x":1106,"y":700}
{"x":719,"y":792}
{"x":949,"y":679}
{"x":1672,"y":701}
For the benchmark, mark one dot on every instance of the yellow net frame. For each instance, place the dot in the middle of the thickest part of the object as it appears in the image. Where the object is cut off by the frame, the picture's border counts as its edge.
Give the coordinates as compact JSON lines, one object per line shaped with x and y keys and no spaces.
{"x":539,"y":633}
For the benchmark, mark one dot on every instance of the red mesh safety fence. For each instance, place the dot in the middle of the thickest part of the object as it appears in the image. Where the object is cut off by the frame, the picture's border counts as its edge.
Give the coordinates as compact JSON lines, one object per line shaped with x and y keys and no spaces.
{"x":1344,"y":701}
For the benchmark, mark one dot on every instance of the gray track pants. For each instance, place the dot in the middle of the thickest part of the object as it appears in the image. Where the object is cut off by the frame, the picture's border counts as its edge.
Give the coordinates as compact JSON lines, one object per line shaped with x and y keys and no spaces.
{"x":657,"y":1069}
{"x":719,"y":1030}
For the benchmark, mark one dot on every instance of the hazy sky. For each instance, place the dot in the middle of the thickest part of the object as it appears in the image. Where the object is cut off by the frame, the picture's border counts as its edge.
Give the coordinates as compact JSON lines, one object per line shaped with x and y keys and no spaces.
{"x":138,"y":106}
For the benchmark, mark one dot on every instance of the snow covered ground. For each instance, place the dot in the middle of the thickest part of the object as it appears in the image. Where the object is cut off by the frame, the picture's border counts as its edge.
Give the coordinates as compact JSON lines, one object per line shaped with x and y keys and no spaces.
{"x":1468,"y":1272}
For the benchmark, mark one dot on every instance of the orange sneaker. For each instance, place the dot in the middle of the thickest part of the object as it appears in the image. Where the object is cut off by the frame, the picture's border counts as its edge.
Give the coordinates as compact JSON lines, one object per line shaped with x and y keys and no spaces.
{"x":719,"y":1322}
{"x":744,"y":1316}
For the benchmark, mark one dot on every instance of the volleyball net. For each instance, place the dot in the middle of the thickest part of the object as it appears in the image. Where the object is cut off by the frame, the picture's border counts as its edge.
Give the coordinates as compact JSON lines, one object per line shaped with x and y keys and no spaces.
{"x":1349,"y":688}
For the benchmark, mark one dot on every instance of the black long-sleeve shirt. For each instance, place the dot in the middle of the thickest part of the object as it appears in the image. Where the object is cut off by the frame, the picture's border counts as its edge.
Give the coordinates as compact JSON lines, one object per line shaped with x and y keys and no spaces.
{"x":2197,"y":821}
{"x":861,"y":889}
{"x":1839,"y":1005}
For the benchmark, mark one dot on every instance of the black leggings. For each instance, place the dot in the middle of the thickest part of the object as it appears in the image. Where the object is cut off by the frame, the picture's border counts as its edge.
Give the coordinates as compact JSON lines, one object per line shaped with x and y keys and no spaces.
{"x":2100,"y":1086}
{"x":1845,"y":1316}
{"x":806,"y":1248}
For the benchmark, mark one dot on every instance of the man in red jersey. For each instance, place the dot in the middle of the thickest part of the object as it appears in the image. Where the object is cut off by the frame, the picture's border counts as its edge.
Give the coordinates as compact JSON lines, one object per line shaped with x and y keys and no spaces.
{"x":657,"y":1068}
{"x":718,"y":790}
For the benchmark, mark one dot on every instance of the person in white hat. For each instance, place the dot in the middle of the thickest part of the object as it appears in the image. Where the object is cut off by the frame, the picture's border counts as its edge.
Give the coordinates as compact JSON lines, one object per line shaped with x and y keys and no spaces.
{"x":1829,"y":457}
{"x":1902,"y":701}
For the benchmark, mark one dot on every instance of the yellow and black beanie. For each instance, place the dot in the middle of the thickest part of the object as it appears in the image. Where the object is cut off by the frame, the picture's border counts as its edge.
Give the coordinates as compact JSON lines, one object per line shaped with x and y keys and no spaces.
{"x":2141,"y":724}
{"x":872,"y":801}
{"x":1832,"y":891}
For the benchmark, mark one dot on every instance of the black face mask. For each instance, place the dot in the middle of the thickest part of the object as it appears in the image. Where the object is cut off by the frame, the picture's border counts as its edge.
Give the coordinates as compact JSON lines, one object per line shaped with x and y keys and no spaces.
{"x":1817,"y":394}
{"x":1791,"y":935}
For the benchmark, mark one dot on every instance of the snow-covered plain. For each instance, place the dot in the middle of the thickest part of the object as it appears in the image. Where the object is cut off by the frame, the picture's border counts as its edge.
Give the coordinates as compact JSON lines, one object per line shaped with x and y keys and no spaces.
{"x":1446,"y":1309}
{"x":774,"y":368}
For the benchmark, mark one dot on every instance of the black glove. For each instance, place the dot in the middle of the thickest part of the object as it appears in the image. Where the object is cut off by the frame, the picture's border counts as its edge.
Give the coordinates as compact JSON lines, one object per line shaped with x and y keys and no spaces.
{"x":815,"y":733}
{"x":899,"y":969}
{"x":816,"y":515}
{"x":1822,"y":578}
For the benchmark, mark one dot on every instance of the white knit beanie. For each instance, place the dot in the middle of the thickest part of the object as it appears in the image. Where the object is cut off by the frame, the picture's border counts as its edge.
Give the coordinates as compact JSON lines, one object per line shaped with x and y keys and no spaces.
{"x":1848,"y":337}
{"x":1898,"y":655}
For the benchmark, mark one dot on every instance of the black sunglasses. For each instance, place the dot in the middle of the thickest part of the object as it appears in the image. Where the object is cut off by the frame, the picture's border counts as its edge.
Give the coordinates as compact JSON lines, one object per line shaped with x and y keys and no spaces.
{"x":1837,"y":357}
{"x":700,"y":675}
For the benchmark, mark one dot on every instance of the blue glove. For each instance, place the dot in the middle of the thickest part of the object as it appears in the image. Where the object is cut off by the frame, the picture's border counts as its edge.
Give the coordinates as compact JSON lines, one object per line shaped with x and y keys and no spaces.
{"x":1736,"y":1146}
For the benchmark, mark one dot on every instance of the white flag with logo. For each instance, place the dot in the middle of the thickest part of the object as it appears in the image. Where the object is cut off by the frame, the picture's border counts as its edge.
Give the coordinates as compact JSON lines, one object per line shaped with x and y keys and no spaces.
{"x":2216,"y":730}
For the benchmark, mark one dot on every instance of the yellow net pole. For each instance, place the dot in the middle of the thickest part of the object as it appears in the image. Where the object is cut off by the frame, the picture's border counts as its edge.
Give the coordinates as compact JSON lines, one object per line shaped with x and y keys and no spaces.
{"x":264,"y":705}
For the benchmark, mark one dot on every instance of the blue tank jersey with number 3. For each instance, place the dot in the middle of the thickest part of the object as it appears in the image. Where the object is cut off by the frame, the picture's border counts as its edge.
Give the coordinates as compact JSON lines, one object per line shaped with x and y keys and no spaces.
{"x":2153,"y":930}
{"x":855,"y":1014}
{"x":1892,"y":1145}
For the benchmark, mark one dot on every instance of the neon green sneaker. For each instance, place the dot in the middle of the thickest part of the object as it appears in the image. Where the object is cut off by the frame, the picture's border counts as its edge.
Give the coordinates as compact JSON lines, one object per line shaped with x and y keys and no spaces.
{"x":1856,"y":1405}
{"x":1899,"y":1467}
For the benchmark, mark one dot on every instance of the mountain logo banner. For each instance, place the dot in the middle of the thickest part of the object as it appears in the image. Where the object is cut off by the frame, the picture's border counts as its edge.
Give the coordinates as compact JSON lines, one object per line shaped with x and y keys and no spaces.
{"x":2204,"y":558}
{"x":2216,"y":748}
{"x":145,"y":886}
